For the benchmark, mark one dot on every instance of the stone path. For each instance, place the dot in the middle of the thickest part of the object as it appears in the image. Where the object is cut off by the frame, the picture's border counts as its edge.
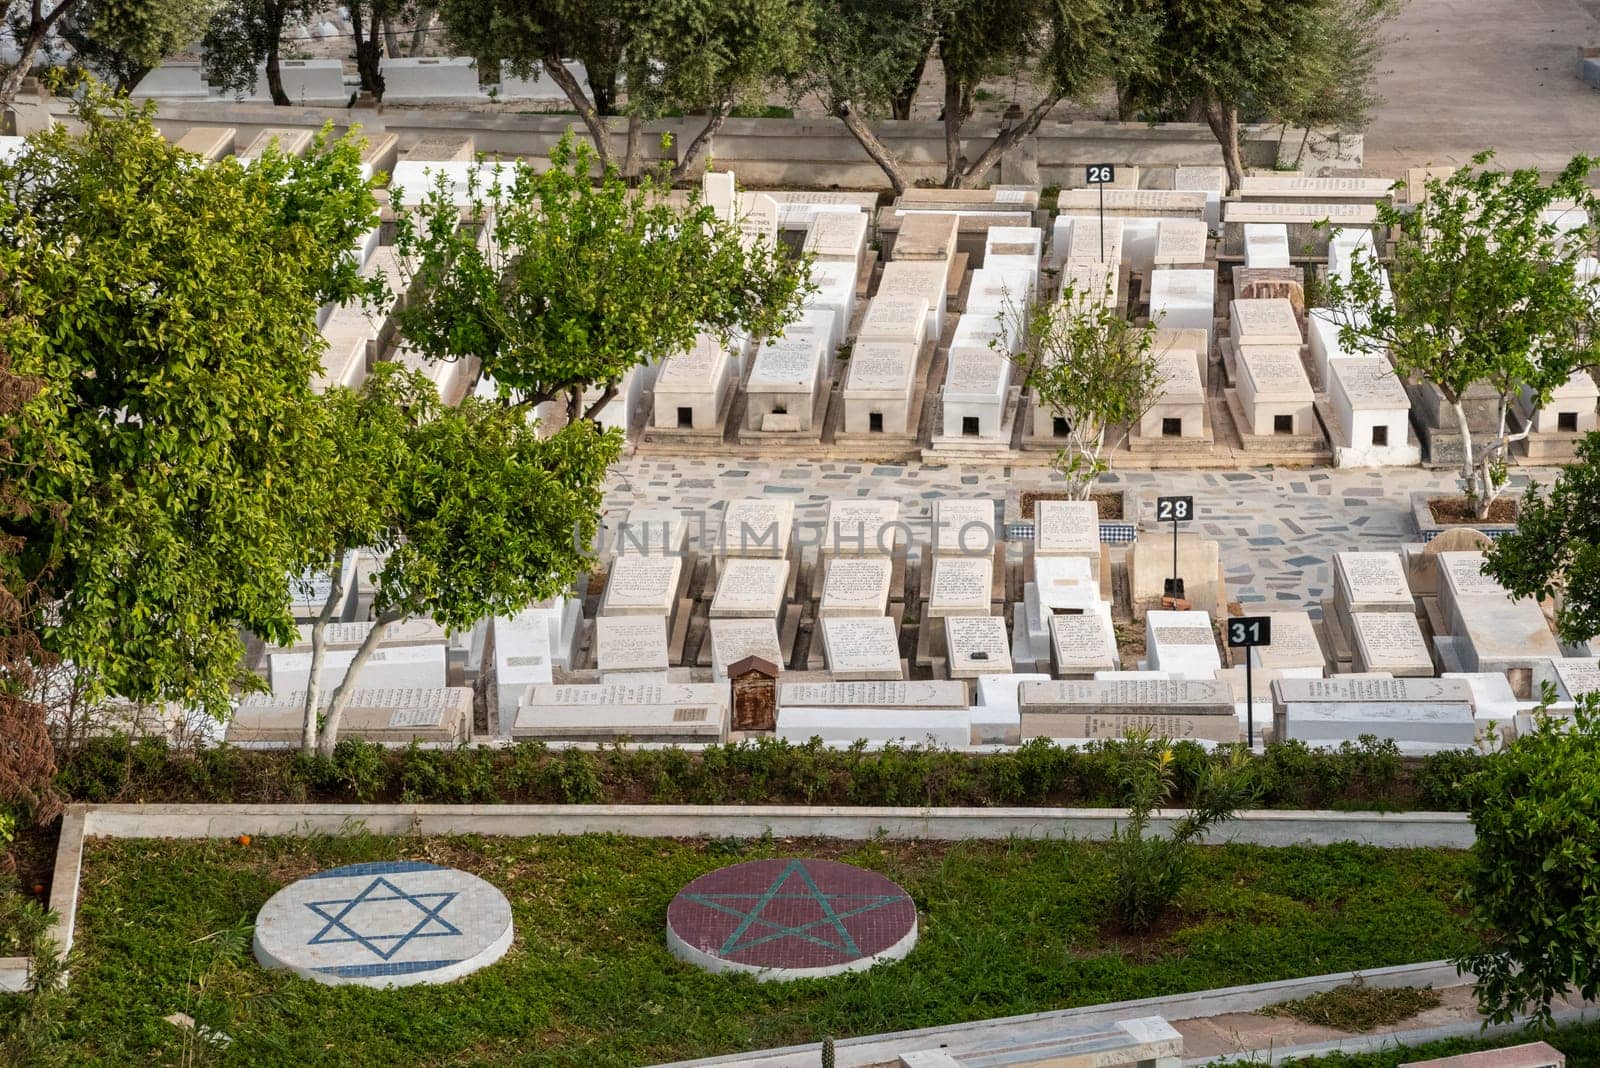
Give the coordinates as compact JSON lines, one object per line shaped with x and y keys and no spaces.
{"x":1277,"y":529}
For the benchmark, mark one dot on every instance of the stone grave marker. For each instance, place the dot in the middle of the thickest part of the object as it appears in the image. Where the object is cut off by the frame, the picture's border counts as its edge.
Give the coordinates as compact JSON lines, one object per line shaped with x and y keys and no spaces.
{"x":977,"y":645}
{"x":1390,"y":641}
{"x":856,"y":586}
{"x":642,"y":586}
{"x":750,"y":588}
{"x":1082,"y":644}
{"x":960,"y":586}
{"x":631,"y":643}
{"x":862,"y":648}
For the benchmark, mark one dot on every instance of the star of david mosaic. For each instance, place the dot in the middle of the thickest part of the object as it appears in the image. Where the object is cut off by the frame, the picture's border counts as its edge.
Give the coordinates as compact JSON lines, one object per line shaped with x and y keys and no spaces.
{"x":344,"y":918}
{"x":791,"y":916}
{"x":828,"y":930}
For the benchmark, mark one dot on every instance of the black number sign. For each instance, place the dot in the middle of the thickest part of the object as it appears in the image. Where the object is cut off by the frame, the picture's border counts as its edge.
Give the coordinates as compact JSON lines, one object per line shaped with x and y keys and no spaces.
{"x":1245,"y":632}
{"x":1174,"y":509}
{"x":1100,"y":174}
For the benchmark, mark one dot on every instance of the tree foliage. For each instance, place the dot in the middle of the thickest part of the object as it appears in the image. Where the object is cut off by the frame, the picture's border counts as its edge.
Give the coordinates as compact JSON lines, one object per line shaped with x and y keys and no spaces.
{"x":1294,"y":60}
{"x":168,"y":313}
{"x":1555,"y":548}
{"x":1094,"y":369}
{"x":244,"y":34}
{"x":123,"y":40}
{"x":578,"y":282}
{"x":483,"y":515}
{"x":1485,"y":292}
{"x":1536,"y":815}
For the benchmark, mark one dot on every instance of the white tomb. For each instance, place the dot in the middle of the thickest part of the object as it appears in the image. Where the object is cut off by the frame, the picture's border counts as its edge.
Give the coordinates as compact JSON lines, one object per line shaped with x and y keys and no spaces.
{"x":1571,"y":408}
{"x":1181,"y":644}
{"x":1212,"y":181}
{"x":1180,"y":243}
{"x":1269,"y":321}
{"x":691,"y":388}
{"x":1082,"y":644}
{"x":878,"y":387}
{"x":631,"y":643}
{"x":425,"y":79}
{"x":996,"y":719}
{"x":309,"y":83}
{"x":734,"y":639}
{"x":976,"y":383}
{"x":1391,"y":642}
{"x":963,"y":526}
{"x":1180,"y":410}
{"x":1266,"y":245}
{"x":1064,"y":584}
{"x":997,"y":333}
{"x":867,"y":526}
{"x":641,"y":585}
{"x":858,"y":647}
{"x":960,"y":586}
{"x":837,"y":236}
{"x":785,"y":380}
{"x":855,"y":586}
{"x":914,"y":279}
{"x":757,"y":526}
{"x":1274,"y":392}
{"x":1184,"y":300}
{"x":897,"y":319}
{"x":976,"y":645}
{"x":838,"y":727}
{"x":651,"y":532}
{"x":1373,"y":412}
{"x":751,"y":588}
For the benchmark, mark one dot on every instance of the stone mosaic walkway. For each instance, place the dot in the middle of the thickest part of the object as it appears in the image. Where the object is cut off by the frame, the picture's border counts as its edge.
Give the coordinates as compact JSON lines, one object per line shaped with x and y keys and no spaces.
{"x":1277,"y":528}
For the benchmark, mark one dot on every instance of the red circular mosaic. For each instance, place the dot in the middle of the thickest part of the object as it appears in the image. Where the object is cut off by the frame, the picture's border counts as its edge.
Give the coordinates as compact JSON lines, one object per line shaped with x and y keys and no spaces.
{"x":787,"y":919}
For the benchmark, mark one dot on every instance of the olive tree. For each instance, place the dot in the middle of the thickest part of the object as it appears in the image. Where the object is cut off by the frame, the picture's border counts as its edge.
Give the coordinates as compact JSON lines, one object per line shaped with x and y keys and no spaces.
{"x":1555,"y":548}
{"x":1536,"y":862}
{"x":578,"y":281}
{"x":30,"y":23}
{"x":1484,"y":291}
{"x":1094,"y":370}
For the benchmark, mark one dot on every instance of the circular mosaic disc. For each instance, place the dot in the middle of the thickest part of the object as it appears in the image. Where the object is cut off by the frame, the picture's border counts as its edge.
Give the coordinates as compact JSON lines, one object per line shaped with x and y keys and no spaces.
{"x":391,"y":923}
{"x":791,"y":919}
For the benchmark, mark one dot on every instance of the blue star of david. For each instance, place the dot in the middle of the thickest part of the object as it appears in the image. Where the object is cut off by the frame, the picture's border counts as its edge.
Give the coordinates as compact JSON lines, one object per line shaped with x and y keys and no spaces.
{"x":429,"y":925}
{"x":829,"y":932}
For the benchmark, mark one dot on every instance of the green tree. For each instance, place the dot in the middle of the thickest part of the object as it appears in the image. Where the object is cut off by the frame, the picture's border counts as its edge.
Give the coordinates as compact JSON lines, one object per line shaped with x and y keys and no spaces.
{"x":1485,"y":292}
{"x":244,"y":34}
{"x":1093,"y":368}
{"x":168,"y":313}
{"x":367,"y":19}
{"x":484,"y":516}
{"x":706,"y":56}
{"x":1297,"y":60}
{"x":30,"y":23}
{"x":578,"y":282}
{"x":123,"y":40}
{"x":1555,"y":548}
{"x":1076,"y":47}
{"x":534,"y":35}
{"x":1149,"y":873}
{"x":1536,"y":852}
{"x":862,"y":54}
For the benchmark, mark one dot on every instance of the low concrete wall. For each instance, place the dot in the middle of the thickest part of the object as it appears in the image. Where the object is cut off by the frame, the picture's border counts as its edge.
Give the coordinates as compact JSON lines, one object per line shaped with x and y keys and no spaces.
{"x":805,"y":153}
{"x":1400,"y":830}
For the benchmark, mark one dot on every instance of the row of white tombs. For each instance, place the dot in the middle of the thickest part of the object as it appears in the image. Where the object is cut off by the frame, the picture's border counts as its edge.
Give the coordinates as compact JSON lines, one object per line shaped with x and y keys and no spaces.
{"x":932,"y":357}
{"x":936,"y":630}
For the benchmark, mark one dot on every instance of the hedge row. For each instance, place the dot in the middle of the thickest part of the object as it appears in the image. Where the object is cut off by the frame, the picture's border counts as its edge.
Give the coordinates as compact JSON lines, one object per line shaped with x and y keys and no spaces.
{"x":1365,"y":775}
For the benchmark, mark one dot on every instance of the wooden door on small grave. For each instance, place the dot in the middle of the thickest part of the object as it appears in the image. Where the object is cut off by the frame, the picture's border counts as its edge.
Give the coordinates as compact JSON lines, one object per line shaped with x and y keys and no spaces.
{"x":755,"y":694}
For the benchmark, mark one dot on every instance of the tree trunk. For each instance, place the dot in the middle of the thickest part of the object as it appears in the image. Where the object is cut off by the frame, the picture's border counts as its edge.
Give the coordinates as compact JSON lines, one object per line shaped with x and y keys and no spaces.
{"x":1224,"y":123}
{"x":39,"y":23}
{"x":1005,"y":141}
{"x":696,"y":148}
{"x":875,"y":148}
{"x":607,"y":395}
{"x":275,"y":16}
{"x":1475,"y":489}
{"x":906,"y":97}
{"x":308,"y":735}
{"x":369,"y":61}
{"x":419,"y":32}
{"x":952,"y":131}
{"x":391,"y":39}
{"x":599,"y":133}
{"x":631,"y":162}
{"x":346,"y":689}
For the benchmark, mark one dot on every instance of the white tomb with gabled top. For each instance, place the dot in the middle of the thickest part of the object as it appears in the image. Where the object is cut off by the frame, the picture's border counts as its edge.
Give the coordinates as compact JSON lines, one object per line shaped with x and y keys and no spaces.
{"x":1269,"y":321}
{"x":1064,"y":584}
{"x":1324,"y":334}
{"x":837,"y":236}
{"x":861,"y":648}
{"x":867,"y":526}
{"x":998,"y":291}
{"x":985,"y":330}
{"x":836,"y":294}
{"x":1274,"y":392}
{"x":734,"y":639}
{"x":960,"y":586}
{"x":1181,"y":643}
{"x":1373,"y":411}
{"x":1180,"y":243}
{"x":1183,"y":300}
{"x":1090,"y":242}
{"x":785,"y":378}
{"x":1570,"y":409}
{"x":1180,"y":410}
{"x":631,"y":643}
{"x":1013,"y":241}
{"x":1212,"y":181}
{"x":640,"y":585}
{"x":878,"y":387}
{"x":1345,"y":245}
{"x":963,"y":526}
{"x":913,"y":279}
{"x":751,"y":588}
{"x":691,"y":388}
{"x":976,"y":382}
{"x":756,"y":526}
{"x":1266,"y":245}
{"x":895,"y":319}
{"x":976,"y":645}
{"x":1089,"y":285}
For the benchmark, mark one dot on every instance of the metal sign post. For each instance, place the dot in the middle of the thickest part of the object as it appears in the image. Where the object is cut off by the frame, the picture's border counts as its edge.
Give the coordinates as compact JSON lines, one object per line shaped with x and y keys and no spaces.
{"x":1247,"y":633}
{"x":1174,"y":510}
{"x":1102,"y":175}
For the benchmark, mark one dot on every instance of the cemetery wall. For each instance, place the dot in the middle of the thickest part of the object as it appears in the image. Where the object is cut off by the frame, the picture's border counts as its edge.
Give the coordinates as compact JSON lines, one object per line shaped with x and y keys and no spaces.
{"x":779,"y":152}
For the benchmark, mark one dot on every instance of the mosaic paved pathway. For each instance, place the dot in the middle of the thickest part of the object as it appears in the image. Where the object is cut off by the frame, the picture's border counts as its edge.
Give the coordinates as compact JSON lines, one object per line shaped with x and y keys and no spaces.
{"x":1278,"y":529}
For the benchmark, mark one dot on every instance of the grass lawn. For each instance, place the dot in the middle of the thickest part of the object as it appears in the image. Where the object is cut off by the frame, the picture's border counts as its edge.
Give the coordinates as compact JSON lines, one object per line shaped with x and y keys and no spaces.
{"x":1007,"y":927}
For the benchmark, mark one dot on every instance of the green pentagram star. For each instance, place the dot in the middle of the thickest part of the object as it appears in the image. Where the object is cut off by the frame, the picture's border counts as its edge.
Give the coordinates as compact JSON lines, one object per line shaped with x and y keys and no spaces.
{"x":832,"y":919}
